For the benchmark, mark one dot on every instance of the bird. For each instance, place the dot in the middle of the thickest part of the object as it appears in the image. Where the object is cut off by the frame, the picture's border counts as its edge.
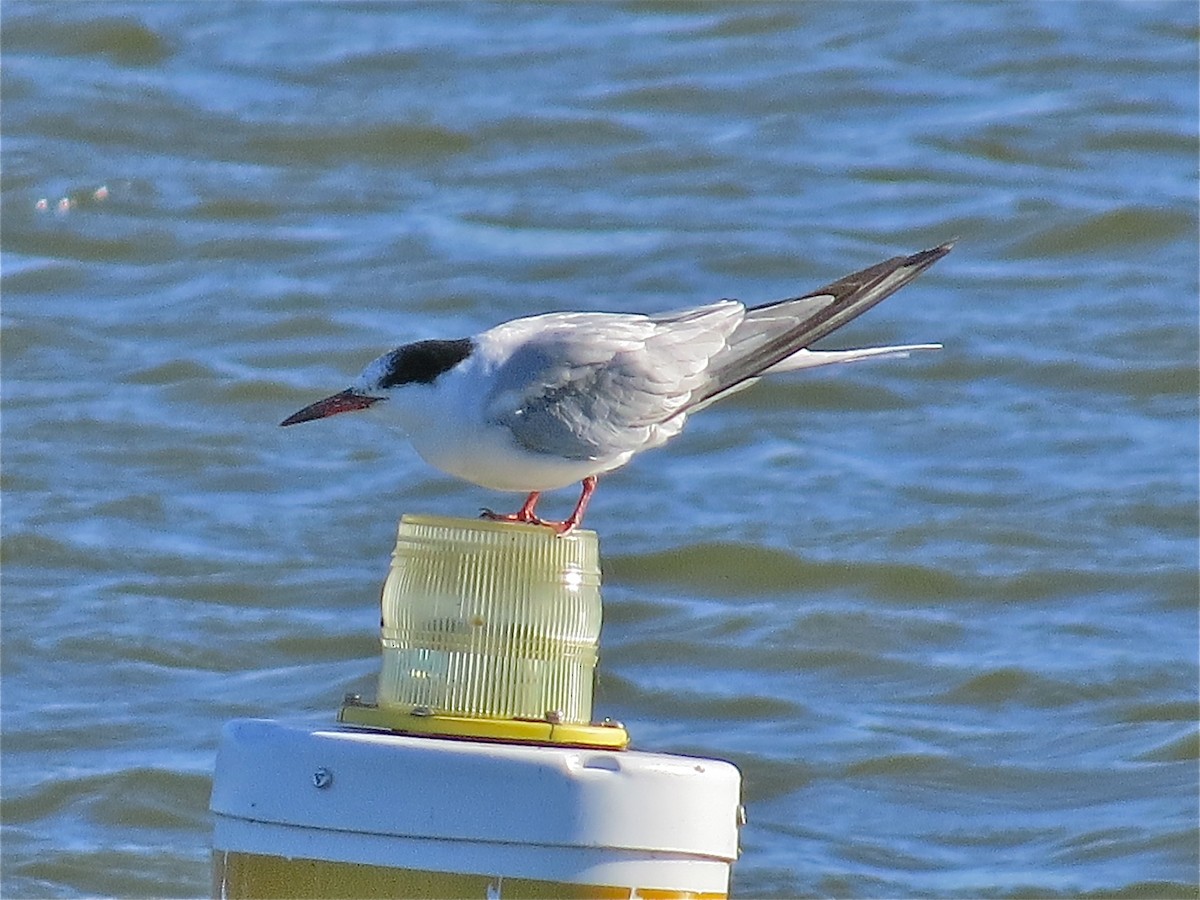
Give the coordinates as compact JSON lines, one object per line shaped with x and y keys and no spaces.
{"x":542,"y":402}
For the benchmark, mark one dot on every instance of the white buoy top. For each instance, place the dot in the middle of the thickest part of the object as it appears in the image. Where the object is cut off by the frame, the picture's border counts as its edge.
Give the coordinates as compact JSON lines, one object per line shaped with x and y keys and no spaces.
{"x":576,"y":815}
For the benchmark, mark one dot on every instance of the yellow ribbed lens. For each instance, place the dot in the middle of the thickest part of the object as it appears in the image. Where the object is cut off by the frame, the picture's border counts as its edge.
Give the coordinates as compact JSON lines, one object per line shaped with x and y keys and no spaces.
{"x":490,"y":619}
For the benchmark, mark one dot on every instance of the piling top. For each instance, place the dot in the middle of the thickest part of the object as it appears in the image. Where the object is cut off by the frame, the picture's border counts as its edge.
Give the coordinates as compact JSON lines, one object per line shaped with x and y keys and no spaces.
{"x":330,"y":782}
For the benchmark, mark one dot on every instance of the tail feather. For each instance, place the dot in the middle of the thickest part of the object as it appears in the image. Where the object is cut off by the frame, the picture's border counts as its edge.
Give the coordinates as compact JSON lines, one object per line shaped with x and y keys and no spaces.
{"x":770,"y":337}
{"x":810,"y":359}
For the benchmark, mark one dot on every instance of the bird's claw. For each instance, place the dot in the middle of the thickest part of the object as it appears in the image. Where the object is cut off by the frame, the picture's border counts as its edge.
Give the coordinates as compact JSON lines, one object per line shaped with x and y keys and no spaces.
{"x":520,"y":517}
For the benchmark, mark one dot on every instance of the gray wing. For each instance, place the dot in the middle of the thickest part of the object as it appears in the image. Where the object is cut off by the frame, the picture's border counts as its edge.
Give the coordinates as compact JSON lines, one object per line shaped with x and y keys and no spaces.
{"x":595,"y":385}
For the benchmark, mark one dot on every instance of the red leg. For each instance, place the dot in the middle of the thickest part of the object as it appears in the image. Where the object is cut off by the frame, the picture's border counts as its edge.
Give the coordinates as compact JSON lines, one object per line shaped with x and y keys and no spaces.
{"x":526,"y":512}
{"x":571,"y":522}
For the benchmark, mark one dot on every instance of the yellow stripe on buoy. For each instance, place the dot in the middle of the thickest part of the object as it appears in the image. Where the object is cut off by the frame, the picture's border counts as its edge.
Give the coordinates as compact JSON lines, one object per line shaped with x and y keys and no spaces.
{"x":607,"y":736}
{"x":247,"y":875}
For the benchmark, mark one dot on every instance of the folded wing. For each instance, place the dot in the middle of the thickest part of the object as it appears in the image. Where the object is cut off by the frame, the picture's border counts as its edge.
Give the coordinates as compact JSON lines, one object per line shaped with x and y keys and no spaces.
{"x":599,"y":385}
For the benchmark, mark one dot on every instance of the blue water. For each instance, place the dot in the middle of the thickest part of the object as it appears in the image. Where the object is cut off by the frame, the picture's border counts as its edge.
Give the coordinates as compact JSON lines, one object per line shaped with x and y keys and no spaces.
{"x":942,"y":611}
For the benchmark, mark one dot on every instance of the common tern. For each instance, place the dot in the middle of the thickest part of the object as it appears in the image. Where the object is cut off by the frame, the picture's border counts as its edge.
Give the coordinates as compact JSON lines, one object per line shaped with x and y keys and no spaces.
{"x":542,"y":402}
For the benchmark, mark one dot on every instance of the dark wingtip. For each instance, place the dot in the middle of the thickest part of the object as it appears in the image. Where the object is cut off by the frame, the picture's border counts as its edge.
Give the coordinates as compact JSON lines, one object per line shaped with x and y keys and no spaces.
{"x":933,"y":254}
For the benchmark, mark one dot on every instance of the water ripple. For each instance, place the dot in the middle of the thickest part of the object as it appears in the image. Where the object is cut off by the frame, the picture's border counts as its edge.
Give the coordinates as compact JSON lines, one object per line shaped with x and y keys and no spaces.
{"x":940,"y":611}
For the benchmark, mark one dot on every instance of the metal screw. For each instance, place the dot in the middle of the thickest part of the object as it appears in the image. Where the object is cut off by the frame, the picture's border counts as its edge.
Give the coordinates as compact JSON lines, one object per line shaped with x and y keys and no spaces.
{"x":322,"y":778}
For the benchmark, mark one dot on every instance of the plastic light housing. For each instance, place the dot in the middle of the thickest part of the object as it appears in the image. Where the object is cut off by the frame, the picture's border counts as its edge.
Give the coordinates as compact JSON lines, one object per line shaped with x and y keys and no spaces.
{"x":491,"y":620}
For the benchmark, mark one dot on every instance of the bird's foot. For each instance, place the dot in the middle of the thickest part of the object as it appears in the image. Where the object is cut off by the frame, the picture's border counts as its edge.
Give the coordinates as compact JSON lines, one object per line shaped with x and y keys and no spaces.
{"x":526,"y":515}
{"x":560,"y":528}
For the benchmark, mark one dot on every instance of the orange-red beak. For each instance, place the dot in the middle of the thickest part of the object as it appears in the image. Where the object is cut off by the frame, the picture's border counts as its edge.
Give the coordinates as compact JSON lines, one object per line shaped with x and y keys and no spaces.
{"x":346,"y":401}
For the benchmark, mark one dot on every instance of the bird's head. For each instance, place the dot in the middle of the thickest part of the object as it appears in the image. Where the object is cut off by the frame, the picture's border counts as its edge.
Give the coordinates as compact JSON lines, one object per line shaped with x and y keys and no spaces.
{"x":413,"y":364}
